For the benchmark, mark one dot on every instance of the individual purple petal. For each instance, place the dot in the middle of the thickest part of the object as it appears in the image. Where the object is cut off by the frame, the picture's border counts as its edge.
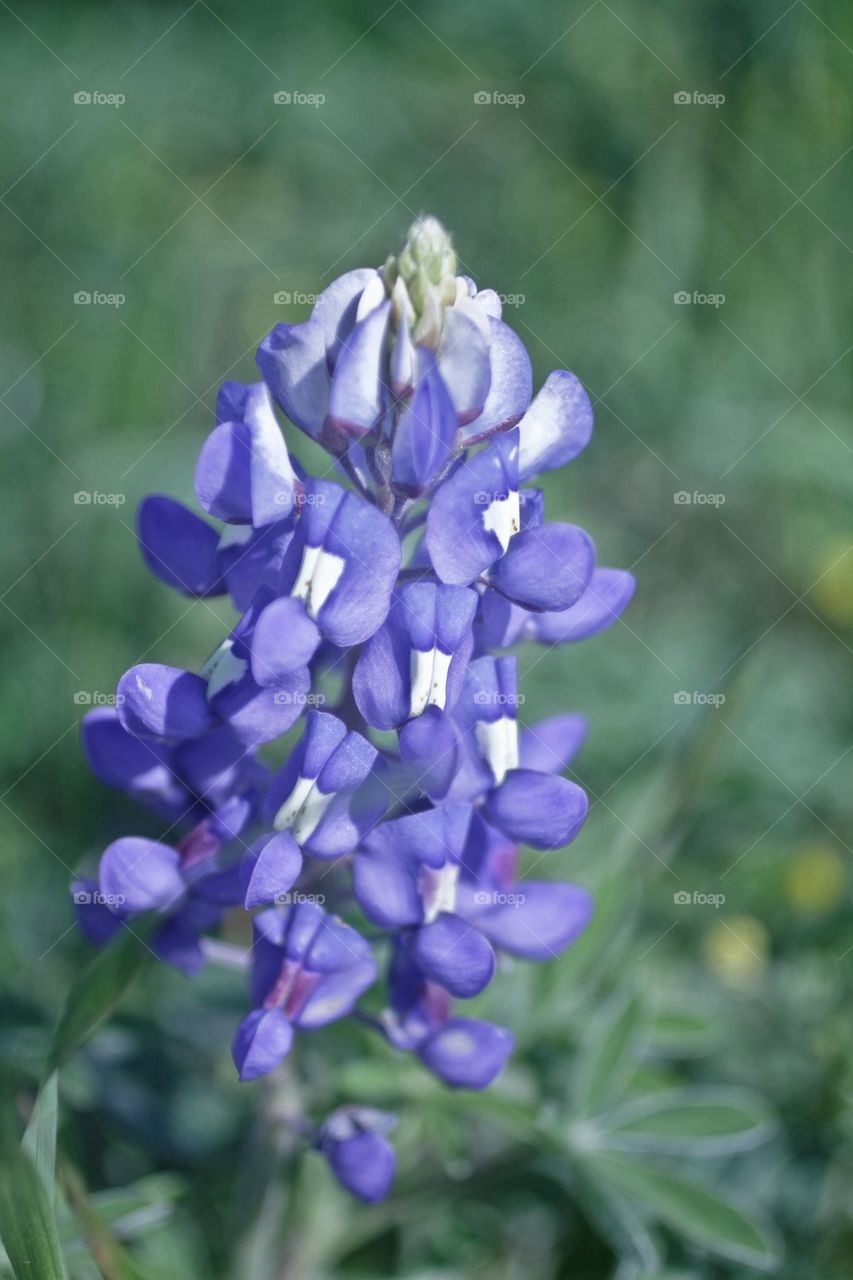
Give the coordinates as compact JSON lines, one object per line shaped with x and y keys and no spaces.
{"x":551,"y":744}
{"x":538,"y":919}
{"x":138,"y":765}
{"x":251,"y":558}
{"x":140,"y":875}
{"x":270,"y":869}
{"x":292,"y":360}
{"x":510,"y":388}
{"x":475,"y":512}
{"x":244,"y":473}
{"x":452,"y":953}
{"x":463,"y":362}
{"x":284,"y":638}
{"x":418,"y":657}
{"x":400,"y":870}
{"x":546,"y":567}
{"x":343,"y":563}
{"x":607,"y":596}
{"x":262,"y":1043}
{"x":429,"y":752}
{"x":179,"y":547}
{"x":257,"y":714}
{"x":467,"y":1053}
{"x":359,"y":394}
{"x":537,"y":808}
{"x":176,"y":942}
{"x":216,"y":764}
{"x":556,"y":427}
{"x":423,"y":440}
{"x":336,"y":307}
{"x":364,"y":1164}
{"x":163,"y":702}
{"x":499,"y":623}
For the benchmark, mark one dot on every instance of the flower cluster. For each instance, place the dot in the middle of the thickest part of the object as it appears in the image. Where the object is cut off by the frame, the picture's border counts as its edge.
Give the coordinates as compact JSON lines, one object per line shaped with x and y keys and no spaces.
{"x":401,"y":583}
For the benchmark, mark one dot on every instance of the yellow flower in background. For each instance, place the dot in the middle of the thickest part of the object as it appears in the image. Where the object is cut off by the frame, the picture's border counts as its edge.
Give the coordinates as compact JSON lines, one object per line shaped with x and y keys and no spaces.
{"x":832,"y":595}
{"x":815,"y":881}
{"x":737,"y":949}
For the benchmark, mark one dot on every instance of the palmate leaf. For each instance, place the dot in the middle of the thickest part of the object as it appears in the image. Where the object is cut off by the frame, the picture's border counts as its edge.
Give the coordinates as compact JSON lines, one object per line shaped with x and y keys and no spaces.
{"x":694,"y":1210}
{"x":27,"y":1224}
{"x":690,"y":1122}
{"x":609,"y":1055}
{"x":96,"y":991}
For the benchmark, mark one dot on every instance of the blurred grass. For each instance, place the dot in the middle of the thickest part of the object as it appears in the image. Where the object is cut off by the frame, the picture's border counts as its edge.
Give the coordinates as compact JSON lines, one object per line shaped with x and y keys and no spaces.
{"x":596,"y":200}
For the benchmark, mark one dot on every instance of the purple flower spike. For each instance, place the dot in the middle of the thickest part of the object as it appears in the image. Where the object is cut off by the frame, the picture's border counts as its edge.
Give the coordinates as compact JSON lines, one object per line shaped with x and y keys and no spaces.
{"x":418,"y":658}
{"x":393,"y":593}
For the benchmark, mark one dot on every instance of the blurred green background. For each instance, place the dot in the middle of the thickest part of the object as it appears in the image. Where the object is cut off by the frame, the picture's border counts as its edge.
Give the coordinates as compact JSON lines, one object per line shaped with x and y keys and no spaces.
{"x":204,"y":211}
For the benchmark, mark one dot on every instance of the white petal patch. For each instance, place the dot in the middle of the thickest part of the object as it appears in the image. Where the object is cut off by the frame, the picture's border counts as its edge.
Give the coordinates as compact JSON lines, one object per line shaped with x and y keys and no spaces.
{"x":498,"y":741}
{"x":319,"y":574}
{"x":429,"y":679}
{"x":235,"y":535}
{"x":438,"y":890}
{"x":502,"y":517}
{"x":303,"y":809}
{"x":222,"y":669}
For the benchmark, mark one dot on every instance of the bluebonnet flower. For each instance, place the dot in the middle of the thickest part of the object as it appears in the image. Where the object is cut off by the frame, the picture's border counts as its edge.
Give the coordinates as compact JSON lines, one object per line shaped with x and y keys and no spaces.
{"x":392,"y":584}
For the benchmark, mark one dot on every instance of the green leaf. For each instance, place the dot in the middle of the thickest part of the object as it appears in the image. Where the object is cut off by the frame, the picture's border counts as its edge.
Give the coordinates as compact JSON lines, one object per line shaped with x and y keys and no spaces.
{"x":609,"y":1057}
{"x":96,"y":992}
{"x":692,"y":1122}
{"x":27,"y":1225}
{"x":39,"y":1140}
{"x":698,"y":1212}
{"x":684,"y":1033}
